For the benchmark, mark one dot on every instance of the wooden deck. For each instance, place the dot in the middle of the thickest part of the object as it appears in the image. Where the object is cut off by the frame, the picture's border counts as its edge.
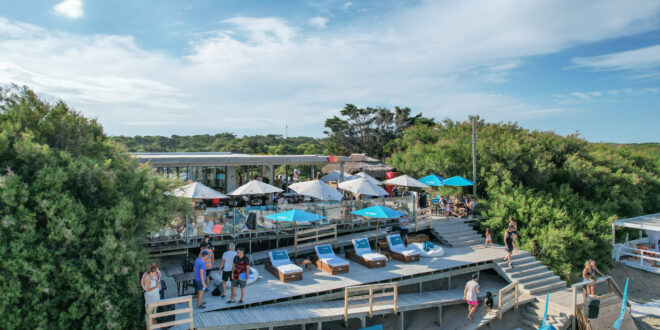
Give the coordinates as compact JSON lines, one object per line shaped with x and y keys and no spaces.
{"x":268,"y":289}
{"x":281,"y":315}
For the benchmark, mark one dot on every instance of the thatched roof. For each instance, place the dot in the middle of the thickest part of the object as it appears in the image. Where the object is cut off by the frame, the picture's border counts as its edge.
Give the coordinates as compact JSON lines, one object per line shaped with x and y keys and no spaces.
{"x":361,"y":163}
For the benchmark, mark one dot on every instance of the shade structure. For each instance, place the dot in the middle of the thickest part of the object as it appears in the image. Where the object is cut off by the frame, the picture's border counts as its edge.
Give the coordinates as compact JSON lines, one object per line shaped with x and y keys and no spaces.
{"x":456,"y":181}
{"x":317,"y":189}
{"x":295,"y":216}
{"x":363,"y":186}
{"x":255,"y":187}
{"x":405,"y":181}
{"x":198,"y":190}
{"x":432,"y":180}
{"x":379,"y":211}
{"x":367,"y":176}
{"x":334,"y":176}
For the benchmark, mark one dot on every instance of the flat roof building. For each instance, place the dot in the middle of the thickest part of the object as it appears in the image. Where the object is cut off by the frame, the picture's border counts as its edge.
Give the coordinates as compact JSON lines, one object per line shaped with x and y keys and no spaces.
{"x":218,"y":169}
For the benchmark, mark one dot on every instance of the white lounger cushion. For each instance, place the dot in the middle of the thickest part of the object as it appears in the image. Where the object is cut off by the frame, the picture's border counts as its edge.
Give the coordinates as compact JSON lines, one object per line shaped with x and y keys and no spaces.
{"x":289,"y":269}
{"x":361,"y":246}
{"x":324,"y":251}
{"x":279,"y":258}
{"x":371,"y":256}
{"x":405,"y":251}
{"x":335,"y":262}
{"x":396,"y":245}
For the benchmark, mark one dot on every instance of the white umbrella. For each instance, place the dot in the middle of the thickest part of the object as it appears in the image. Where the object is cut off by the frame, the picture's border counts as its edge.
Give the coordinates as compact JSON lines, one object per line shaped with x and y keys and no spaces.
{"x":405,"y":181}
{"x":367,"y":176}
{"x":317,"y":189}
{"x":363,"y":186}
{"x":198,"y":190}
{"x":334,"y":176}
{"x":255,"y":187}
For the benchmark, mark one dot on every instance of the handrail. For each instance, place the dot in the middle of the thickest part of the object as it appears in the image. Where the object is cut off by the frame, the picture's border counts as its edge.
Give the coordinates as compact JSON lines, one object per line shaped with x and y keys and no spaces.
{"x":370,"y":296}
{"x":514,"y":286}
{"x":637,"y":253}
{"x":167,"y":302}
{"x":604,"y":279}
{"x":319,"y":235}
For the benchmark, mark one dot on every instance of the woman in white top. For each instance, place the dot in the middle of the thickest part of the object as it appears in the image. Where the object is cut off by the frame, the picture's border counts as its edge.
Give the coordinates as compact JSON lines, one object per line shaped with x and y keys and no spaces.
{"x":152,"y":289}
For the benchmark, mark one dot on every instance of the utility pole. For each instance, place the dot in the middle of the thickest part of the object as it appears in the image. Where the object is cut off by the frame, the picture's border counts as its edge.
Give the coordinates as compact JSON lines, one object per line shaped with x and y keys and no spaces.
{"x":286,"y":130}
{"x":474,"y":156}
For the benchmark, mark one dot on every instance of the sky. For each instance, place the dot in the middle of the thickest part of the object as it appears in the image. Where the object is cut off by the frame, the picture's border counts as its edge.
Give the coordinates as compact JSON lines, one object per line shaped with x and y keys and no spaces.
{"x":163,"y":67}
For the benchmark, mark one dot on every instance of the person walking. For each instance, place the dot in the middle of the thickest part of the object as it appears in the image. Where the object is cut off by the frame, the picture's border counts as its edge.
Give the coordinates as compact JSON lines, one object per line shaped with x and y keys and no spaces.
{"x":470,"y":295}
{"x":489,"y":239}
{"x":209,"y":258}
{"x":200,"y":280}
{"x":226,"y":266}
{"x":508,"y":245}
{"x":151,"y":289}
{"x":240,"y":266}
{"x":423,"y":202}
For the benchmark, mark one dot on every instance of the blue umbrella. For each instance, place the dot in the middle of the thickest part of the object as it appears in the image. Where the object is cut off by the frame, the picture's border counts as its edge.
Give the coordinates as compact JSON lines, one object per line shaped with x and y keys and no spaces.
{"x":432,"y":180}
{"x":456,"y":181}
{"x":294,"y":215}
{"x":379,"y":211}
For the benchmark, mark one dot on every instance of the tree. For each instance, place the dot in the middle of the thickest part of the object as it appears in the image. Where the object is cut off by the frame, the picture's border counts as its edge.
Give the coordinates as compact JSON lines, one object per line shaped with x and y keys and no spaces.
{"x":369,"y":130}
{"x":73,"y":207}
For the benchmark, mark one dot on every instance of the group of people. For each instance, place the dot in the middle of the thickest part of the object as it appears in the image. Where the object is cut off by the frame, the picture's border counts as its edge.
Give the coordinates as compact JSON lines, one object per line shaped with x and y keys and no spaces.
{"x":510,"y":239}
{"x":465,"y":207}
{"x":234,"y":268}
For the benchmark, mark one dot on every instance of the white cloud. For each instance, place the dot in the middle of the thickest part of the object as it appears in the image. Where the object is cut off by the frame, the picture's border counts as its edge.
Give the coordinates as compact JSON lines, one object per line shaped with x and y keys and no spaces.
{"x":637,"y":59}
{"x":69,"y":8}
{"x":255,"y":74}
{"x":346,"y":5}
{"x":603,"y":96}
{"x":318,"y":22}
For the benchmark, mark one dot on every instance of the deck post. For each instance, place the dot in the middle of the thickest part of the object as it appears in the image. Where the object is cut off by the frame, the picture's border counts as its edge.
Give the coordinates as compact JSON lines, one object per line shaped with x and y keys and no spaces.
{"x":420,"y":287}
{"x":439,"y":316}
{"x":449,"y":282}
{"x":319,"y":325}
{"x":401,"y":320}
{"x":573,"y":301}
{"x":363,"y":322}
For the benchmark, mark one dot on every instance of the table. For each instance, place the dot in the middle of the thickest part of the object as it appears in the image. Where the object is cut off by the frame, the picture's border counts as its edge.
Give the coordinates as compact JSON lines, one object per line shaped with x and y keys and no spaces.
{"x":183,"y":281}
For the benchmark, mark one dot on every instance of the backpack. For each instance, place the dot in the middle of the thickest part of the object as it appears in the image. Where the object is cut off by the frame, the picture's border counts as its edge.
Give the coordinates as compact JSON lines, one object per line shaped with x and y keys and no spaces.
{"x":216,"y":291}
{"x":591,"y":308}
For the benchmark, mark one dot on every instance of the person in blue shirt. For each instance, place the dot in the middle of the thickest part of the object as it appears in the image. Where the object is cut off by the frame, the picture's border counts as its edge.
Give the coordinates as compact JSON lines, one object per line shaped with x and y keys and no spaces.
{"x":200,"y":283}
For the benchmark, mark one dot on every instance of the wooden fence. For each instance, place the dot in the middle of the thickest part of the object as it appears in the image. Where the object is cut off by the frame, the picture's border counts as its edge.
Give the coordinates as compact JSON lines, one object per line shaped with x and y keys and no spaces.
{"x":314,"y":236}
{"x":508,"y":298}
{"x":366,"y":292}
{"x":168,"y":302}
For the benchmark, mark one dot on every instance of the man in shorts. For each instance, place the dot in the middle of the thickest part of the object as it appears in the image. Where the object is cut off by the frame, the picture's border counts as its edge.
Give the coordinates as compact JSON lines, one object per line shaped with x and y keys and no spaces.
{"x":241,"y":265}
{"x":200,"y":280}
{"x":226,"y":266}
{"x":403,"y":228}
{"x":470,"y":295}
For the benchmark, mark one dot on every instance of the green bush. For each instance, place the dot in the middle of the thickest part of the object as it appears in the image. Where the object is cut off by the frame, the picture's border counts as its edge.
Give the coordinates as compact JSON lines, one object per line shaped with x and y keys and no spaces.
{"x":73,"y":206}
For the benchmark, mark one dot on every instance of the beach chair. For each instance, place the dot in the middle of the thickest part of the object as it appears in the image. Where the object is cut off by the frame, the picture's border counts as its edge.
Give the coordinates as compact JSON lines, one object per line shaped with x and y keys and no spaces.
{"x":399,"y":252}
{"x":281,"y":266}
{"x":328,"y":261}
{"x":364,"y":256}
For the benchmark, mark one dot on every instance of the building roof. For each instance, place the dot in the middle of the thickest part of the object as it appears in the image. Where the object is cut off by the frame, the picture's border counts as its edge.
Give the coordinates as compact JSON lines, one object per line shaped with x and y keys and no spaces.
{"x":650,"y":222}
{"x":361,"y":163}
{"x":175,"y":159}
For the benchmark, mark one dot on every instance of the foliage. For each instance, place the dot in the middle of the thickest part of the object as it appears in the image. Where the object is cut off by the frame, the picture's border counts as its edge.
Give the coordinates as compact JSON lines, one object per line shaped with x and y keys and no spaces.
{"x":73,"y":206}
{"x":369,"y":130}
{"x":258,"y":144}
{"x":563,"y":191}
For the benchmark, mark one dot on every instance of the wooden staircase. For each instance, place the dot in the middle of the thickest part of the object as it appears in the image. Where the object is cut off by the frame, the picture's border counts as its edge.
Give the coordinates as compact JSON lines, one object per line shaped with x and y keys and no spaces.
{"x":533,"y":276}
{"x":455,"y":232}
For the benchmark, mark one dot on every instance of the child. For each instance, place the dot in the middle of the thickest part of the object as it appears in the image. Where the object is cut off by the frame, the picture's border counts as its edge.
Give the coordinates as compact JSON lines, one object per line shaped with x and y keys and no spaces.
{"x":489,"y":238}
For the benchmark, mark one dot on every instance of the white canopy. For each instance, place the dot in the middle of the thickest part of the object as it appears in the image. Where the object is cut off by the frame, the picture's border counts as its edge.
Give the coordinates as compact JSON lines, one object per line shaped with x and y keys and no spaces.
{"x":334,"y":176}
{"x":647,"y":222}
{"x":363,"y":186}
{"x":317,"y":189}
{"x":405,"y":181}
{"x":198,"y":190}
{"x":366,"y":176}
{"x":255,"y":187}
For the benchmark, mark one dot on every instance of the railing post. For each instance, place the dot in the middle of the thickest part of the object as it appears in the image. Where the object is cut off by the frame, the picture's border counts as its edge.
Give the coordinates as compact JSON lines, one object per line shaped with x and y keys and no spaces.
{"x":516,"y":295}
{"x":499,"y":303}
{"x":371,"y":302}
{"x":346,"y":305}
{"x":573,"y":298}
{"x":396,"y":297}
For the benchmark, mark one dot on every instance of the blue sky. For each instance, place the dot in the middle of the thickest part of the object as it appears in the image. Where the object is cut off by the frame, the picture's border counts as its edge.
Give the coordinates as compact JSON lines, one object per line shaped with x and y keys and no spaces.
{"x":251,"y":67}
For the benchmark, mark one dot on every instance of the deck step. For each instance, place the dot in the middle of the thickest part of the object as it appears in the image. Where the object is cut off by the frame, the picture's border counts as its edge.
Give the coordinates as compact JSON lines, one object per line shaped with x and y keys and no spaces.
{"x":471,"y":236}
{"x":453,"y":230}
{"x":517,"y":262}
{"x":460,"y":234}
{"x":540,"y":282}
{"x":533,"y":277}
{"x":547,"y":287}
{"x":521,"y":272}
{"x":466,"y":243}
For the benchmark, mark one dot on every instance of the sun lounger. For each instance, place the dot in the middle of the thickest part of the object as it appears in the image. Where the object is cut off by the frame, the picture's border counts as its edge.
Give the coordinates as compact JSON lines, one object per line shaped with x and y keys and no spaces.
{"x":364,"y":256}
{"x":281,"y":266}
{"x":399,"y":252}
{"x":328,"y":261}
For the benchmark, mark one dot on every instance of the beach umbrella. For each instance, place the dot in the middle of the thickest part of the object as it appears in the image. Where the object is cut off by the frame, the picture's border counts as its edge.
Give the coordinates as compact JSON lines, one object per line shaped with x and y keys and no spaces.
{"x":405,"y":181}
{"x":294,"y":215}
{"x":198,"y":191}
{"x":379,"y":212}
{"x":432,"y":180}
{"x":368,"y":177}
{"x":334,"y":176}
{"x":255,"y":187}
{"x":456,"y":181}
{"x":363,"y":186}
{"x":317,"y":189}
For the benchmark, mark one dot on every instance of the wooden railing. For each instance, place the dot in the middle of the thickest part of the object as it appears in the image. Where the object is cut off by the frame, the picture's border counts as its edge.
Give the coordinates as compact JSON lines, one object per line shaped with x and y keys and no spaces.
{"x":366,"y":292}
{"x":652,"y":258}
{"x":167,"y":302}
{"x":508,"y":298}
{"x":314,"y":236}
{"x":577,"y":312}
